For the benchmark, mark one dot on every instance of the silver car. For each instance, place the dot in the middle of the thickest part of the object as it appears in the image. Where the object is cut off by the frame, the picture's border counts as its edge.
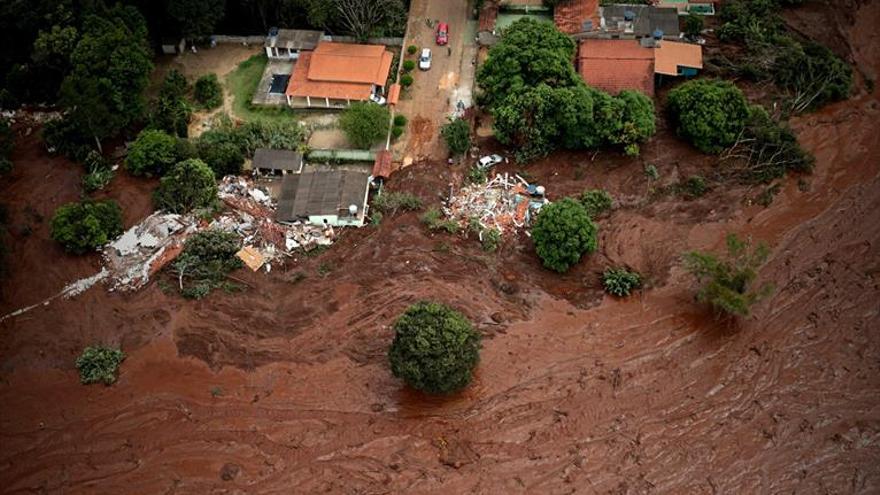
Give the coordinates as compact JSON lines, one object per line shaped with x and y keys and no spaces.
{"x":489,"y":161}
{"x":425,"y":59}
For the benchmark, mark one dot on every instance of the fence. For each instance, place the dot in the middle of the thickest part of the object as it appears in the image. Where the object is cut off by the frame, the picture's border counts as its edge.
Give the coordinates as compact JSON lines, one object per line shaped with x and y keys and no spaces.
{"x":239,"y":40}
{"x":342,"y":155}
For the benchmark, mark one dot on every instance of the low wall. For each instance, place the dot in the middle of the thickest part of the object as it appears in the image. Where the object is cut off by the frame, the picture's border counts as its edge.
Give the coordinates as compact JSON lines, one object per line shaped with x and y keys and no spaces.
{"x":342,"y":155}
{"x":239,"y":40}
{"x":371,"y":41}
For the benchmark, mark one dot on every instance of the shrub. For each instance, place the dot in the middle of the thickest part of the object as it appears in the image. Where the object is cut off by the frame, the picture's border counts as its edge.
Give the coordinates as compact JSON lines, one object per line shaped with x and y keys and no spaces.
{"x":189,"y":185}
{"x":391,"y":202}
{"x":98,"y":172}
{"x":563,"y":232}
{"x":725,"y":283}
{"x":435,"y":221}
{"x":99,"y":364}
{"x":406,"y":80}
{"x":224,"y":158}
{"x":364,"y":123}
{"x":207,"y":258}
{"x":477,"y":175}
{"x":435,"y":348}
{"x":457,"y":134}
{"x":64,"y":137}
{"x":170,"y":111}
{"x":208,"y":92}
{"x":409,"y":65}
{"x":491,"y":240}
{"x":694,"y":187}
{"x":153,"y":153}
{"x":399,"y":120}
{"x":596,"y":202}
{"x":711,"y":114}
{"x":620,"y":282}
{"x":396,"y":131}
{"x":412,"y":49}
{"x":85,"y":226}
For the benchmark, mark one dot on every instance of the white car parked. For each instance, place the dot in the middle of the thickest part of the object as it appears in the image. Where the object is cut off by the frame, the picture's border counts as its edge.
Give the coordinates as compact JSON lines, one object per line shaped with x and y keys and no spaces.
{"x":489,"y":161}
{"x":425,"y":59}
{"x":377,"y":99}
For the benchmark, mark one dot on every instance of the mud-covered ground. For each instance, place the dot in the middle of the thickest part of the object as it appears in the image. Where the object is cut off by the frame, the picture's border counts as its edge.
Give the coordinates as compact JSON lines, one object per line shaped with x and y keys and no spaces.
{"x":284,"y":388}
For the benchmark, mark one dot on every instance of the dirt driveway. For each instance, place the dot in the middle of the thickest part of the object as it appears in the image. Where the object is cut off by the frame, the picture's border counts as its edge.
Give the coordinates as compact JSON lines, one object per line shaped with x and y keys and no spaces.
{"x":436,"y":91}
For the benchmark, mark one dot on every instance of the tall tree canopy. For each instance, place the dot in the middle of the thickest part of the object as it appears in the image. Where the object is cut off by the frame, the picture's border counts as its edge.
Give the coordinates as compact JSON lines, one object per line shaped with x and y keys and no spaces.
{"x":111,"y":68}
{"x":196,"y":18}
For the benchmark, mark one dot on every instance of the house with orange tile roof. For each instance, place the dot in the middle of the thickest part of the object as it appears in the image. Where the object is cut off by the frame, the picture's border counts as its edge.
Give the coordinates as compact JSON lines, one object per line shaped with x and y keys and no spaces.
{"x":615,"y":65}
{"x":336,"y":74}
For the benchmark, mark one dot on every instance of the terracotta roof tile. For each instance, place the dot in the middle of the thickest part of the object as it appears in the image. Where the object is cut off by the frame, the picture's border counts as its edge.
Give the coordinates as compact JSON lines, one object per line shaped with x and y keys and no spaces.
{"x":615,"y":65}
{"x":301,"y":86}
{"x":382,"y":165}
{"x":347,"y":62}
{"x":672,"y":54}
{"x":570,"y":15}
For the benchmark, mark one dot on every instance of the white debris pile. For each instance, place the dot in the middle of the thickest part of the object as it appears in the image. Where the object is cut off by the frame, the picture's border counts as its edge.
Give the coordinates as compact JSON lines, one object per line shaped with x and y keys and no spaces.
{"x":145,"y":248}
{"x":503,"y":203}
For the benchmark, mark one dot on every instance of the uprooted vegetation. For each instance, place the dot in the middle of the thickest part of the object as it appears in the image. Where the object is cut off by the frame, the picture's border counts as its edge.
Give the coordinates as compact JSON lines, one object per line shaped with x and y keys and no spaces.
{"x":205,"y":263}
{"x":808,"y":73}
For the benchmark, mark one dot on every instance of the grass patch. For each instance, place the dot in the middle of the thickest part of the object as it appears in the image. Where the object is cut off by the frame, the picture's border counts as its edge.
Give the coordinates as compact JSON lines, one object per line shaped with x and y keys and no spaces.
{"x":242,"y":84}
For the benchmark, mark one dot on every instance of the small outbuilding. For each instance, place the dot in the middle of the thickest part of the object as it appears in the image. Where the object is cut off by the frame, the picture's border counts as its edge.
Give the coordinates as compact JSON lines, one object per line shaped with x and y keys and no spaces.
{"x":325,"y":197}
{"x":289,"y":43}
{"x":382,"y":166}
{"x":277,"y":162}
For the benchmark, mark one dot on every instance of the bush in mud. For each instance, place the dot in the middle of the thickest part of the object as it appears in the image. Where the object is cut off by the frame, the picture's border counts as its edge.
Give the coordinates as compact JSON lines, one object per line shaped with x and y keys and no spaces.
{"x":813,"y":74}
{"x":188,"y":186}
{"x":99,"y":173}
{"x":457,"y":135}
{"x":364,"y":123}
{"x":596,"y":202}
{"x":563,"y":232}
{"x":620,"y":282}
{"x":435,"y":221}
{"x":391,"y":202}
{"x":99,"y":364}
{"x":207,"y":258}
{"x":207,"y":92}
{"x":491,"y":240}
{"x":694,"y":187}
{"x":711,"y":114}
{"x":152,"y":154}
{"x":86,"y":226}
{"x":725,"y":281}
{"x":435,"y":348}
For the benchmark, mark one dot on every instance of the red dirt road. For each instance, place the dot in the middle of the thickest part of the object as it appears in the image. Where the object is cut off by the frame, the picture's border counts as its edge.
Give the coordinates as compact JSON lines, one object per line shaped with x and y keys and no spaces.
{"x":284,"y":388}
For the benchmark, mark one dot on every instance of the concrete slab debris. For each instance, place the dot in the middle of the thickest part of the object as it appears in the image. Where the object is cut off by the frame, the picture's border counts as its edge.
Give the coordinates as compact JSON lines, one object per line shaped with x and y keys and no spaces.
{"x":251,"y":257}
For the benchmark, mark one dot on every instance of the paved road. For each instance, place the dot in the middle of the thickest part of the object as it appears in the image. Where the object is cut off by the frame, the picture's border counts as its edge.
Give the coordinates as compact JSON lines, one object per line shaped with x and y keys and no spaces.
{"x":435,"y":93}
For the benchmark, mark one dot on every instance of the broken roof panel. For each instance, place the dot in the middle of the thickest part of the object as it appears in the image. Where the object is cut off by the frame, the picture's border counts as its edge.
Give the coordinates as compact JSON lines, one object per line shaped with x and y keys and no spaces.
{"x":576,"y":16}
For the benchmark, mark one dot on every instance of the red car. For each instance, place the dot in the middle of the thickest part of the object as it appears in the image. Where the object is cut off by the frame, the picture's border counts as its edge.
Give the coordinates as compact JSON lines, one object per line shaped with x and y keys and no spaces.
{"x":442,"y":33}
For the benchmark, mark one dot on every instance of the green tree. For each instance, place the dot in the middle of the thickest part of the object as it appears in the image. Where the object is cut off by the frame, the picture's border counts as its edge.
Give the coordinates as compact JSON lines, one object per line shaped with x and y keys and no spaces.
{"x":196,"y":19}
{"x":563,"y":232}
{"x":530,"y":53}
{"x":596,"y":202}
{"x":85,"y":226}
{"x":170,"y":111}
{"x":726,"y":283}
{"x":638,"y":123}
{"x":111,"y":68}
{"x":813,"y":73}
{"x":364,"y":123}
{"x":457,"y":134}
{"x":208,"y":92}
{"x":693,"y":25}
{"x":435,"y":348}
{"x":189,"y":185}
{"x":207,"y":258}
{"x":711,"y":114}
{"x":152,"y":154}
{"x":224,"y":158}
{"x":99,"y":364}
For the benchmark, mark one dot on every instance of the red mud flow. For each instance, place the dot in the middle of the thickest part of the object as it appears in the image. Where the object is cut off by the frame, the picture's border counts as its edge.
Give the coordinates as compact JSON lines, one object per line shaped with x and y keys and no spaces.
{"x":284,"y":388}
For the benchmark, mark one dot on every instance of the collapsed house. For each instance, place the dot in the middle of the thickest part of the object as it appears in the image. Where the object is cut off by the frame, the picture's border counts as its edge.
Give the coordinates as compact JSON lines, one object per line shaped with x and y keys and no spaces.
{"x":504,"y":203}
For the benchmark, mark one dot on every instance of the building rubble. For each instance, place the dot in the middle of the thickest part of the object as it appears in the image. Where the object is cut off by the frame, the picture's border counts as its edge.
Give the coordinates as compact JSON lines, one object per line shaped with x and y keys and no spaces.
{"x":145,"y":249}
{"x":504,"y":203}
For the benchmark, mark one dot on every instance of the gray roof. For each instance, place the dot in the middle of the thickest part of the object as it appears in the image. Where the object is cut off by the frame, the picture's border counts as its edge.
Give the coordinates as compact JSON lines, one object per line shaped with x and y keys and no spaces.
{"x":277,"y":160}
{"x":321,"y":192}
{"x":296,"y":39}
{"x":647,"y":19}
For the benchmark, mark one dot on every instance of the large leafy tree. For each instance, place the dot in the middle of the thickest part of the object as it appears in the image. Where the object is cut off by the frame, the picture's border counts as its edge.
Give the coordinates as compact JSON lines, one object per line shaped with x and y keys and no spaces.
{"x":196,"y":18}
{"x":435,"y":348}
{"x":563,"y":232}
{"x":111,"y":67}
{"x":364,"y":123}
{"x":457,"y":134}
{"x":711,"y":114}
{"x":153,"y":153}
{"x":170,"y":111}
{"x":529,"y":53}
{"x":85,"y":226}
{"x":188,"y":186}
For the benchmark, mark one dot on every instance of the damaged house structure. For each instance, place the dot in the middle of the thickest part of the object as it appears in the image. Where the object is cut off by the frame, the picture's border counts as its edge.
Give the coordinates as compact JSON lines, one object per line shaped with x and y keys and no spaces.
{"x":333,"y":197}
{"x":277,"y":162}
